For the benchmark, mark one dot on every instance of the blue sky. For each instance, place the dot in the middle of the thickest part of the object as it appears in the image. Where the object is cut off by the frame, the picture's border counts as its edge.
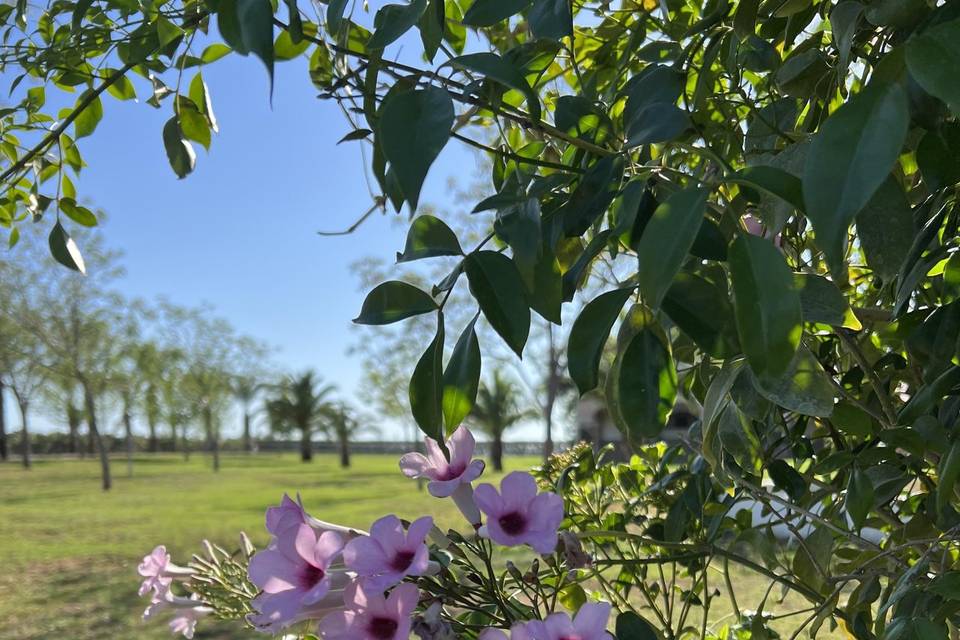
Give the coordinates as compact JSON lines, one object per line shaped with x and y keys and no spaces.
{"x":240,"y":232}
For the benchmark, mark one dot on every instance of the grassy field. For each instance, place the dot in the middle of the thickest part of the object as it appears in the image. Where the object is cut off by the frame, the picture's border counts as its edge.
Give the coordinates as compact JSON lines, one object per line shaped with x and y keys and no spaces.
{"x":69,"y":552}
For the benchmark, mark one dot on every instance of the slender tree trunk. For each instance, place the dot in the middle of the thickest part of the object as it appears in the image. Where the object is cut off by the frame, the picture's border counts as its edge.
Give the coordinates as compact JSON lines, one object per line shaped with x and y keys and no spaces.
{"x":496,"y":451}
{"x":128,"y":433}
{"x":173,"y":436}
{"x":186,"y":444}
{"x":73,"y":423}
{"x":212,"y":441}
{"x":247,"y":440}
{"x":3,"y":426}
{"x":344,"y":452}
{"x":91,"y":405}
{"x":152,"y":443}
{"x":25,"y":446}
{"x":306,"y":447}
{"x":553,"y":389}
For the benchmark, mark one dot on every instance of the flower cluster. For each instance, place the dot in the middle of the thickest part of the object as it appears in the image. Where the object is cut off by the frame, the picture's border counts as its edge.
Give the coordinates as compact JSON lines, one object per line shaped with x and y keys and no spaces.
{"x":158,"y":574}
{"x":345,"y":584}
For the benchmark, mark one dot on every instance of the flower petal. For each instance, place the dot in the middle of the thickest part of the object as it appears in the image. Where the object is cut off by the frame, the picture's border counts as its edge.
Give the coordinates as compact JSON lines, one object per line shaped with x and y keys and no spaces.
{"x":365,"y":556}
{"x":488,"y":500}
{"x":591,"y":620}
{"x":388,"y":532}
{"x":328,"y":546}
{"x":518,"y":489}
{"x":461,"y":446}
{"x":272,"y":571}
{"x":415,"y":465}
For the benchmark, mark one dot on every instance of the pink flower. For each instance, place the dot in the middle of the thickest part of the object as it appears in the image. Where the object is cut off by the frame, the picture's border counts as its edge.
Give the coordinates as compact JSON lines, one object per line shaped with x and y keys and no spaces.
{"x":293,"y":572}
{"x":387,"y":556}
{"x":448,"y":479}
{"x":159,"y":572}
{"x":367,"y":615}
{"x":590,"y":623}
{"x":292,"y":514}
{"x":518,"y":631}
{"x":185,"y":622}
{"x":519,"y":515}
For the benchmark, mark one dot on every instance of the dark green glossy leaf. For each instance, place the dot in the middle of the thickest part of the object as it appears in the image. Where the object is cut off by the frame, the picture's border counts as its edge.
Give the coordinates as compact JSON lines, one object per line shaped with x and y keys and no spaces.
{"x":486,"y":13}
{"x":774,"y":181}
{"x":461,"y":379}
{"x":180,"y":153}
{"x":767,"y":305}
{"x":589,"y":334}
{"x":426,"y":387}
{"x":335,"y":11}
{"x":658,"y":122}
{"x":645,"y":379}
{"x":499,"y":69}
{"x":77,"y":213}
{"x":787,"y":479}
{"x":594,"y":193}
{"x":247,"y":26}
{"x":885,"y":228}
{"x":64,"y":250}
{"x":666,"y":242}
{"x":428,"y":237}
{"x":414,"y":127}
{"x":630,"y":626}
{"x":685,"y":303}
{"x":393,"y":20}
{"x":88,"y":119}
{"x":937,"y":157}
{"x":393,"y":301}
{"x":849,"y":159}
{"x":933,"y":56}
{"x":551,"y":19}
{"x":859,"y":498}
{"x":498,"y":287}
{"x":804,"y":387}
{"x":821,"y":301}
{"x":431,"y":24}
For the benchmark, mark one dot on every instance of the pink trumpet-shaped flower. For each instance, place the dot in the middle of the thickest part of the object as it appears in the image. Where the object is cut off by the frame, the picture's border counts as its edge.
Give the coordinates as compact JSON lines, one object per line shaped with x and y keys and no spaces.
{"x":519,"y":515}
{"x":158,"y":572}
{"x":448,"y":479}
{"x":367,"y":615}
{"x":186,"y":611}
{"x":519,"y":631}
{"x":387,"y":555}
{"x":293,"y":571}
{"x":185,"y":621}
{"x":590,"y":623}
{"x":292,"y":514}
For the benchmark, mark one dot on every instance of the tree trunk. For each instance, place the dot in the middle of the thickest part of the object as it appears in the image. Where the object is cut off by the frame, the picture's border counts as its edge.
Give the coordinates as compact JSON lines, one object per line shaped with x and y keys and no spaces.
{"x":173,"y":437}
{"x":24,"y":433}
{"x":344,"y":452}
{"x":91,"y":405}
{"x":247,"y":440}
{"x":152,"y":444}
{"x":496,"y":452}
{"x":128,"y":433}
{"x":306,"y":447}
{"x":73,"y":423}
{"x":186,"y":444}
{"x":3,"y":427}
{"x":212,"y":440}
{"x":553,"y":389}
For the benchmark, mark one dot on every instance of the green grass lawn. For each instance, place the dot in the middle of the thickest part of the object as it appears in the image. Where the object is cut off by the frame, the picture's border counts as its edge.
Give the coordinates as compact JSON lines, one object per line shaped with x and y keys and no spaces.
{"x":69,"y":551}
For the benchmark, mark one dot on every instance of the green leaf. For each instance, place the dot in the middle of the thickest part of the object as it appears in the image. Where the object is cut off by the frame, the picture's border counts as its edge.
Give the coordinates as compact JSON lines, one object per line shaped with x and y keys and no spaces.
{"x":167,"y":32}
{"x":295,"y":22}
{"x":821,"y":301}
{"x":804,"y":387}
{"x":772,"y":180}
{"x":80,"y":215}
{"x":461,"y":379}
{"x":414,"y":127}
{"x":64,"y":250}
{"x":767,"y":305}
{"x":551,"y":19}
{"x":644,"y":384}
{"x":486,"y":13}
{"x":589,"y":334}
{"x":939,"y":163}
{"x":844,"y":20}
{"x":428,"y":237}
{"x":812,"y":560}
{"x":594,"y":193}
{"x":180,"y":153}
{"x":859,"y":498}
{"x":431,"y":25}
{"x":87,"y":120}
{"x":247,"y":26}
{"x":214,"y":52}
{"x":948,"y":473}
{"x":658,"y":122}
{"x":122,"y":89}
{"x":933,"y":56}
{"x":572,"y":597}
{"x":630,"y":626}
{"x":787,"y":479}
{"x":852,"y":420}
{"x":666,"y":242}
{"x":426,"y":387}
{"x":335,"y":15}
{"x":496,"y":68}
{"x":886,"y":231}
{"x":714,"y":332}
{"x":519,"y":226}
{"x":393,"y":301}
{"x":498,"y":287}
{"x":849,"y":159}
{"x":193,"y":126}
{"x":946,"y":585}
{"x":284,"y":48}
{"x":393,"y":20}
{"x":714,"y":403}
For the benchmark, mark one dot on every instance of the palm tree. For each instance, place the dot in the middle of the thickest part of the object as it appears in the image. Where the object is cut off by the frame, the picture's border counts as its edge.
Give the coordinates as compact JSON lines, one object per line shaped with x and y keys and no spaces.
{"x":342,"y":425}
{"x":498,"y":407}
{"x":300,"y":404}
